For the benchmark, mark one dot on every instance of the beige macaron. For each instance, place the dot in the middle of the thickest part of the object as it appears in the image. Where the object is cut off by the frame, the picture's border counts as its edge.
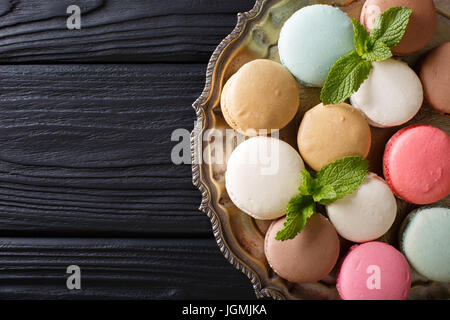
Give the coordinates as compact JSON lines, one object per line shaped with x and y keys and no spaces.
{"x":328,"y":133}
{"x":262,"y":95}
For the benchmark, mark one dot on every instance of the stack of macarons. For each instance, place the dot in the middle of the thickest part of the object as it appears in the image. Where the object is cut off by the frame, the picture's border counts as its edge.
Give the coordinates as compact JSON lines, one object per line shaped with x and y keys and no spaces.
{"x":263,"y":173}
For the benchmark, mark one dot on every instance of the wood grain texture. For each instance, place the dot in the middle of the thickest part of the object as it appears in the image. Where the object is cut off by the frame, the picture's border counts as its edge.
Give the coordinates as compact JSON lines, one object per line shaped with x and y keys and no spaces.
{"x":86,"y":150}
{"x":116,"y":30}
{"x":118,"y":269}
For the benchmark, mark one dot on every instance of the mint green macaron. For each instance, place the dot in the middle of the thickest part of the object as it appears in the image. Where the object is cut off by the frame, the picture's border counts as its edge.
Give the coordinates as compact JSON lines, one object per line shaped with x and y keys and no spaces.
{"x":312,"y":40}
{"x":425,"y":241}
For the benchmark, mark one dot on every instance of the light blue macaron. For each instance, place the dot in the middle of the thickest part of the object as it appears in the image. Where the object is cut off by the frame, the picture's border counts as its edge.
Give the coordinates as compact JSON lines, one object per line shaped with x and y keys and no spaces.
{"x":312,"y":40}
{"x":425,"y":241}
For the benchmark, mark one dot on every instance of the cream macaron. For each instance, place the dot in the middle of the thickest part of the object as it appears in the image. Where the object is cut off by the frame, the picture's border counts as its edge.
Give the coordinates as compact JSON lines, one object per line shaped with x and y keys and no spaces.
{"x":328,"y":133}
{"x":262,"y":175}
{"x":262,"y":95}
{"x":391,"y":95}
{"x":366,"y":214}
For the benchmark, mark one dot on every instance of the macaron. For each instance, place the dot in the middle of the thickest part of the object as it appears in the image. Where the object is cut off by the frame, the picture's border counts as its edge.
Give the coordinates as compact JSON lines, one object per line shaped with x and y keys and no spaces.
{"x":309,"y":257}
{"x":435,"y":77}
{"x":391,"y":95}
{"x":367,"y":213}
{"x":425,"y":240}
{"x":262,"y":175}
{"x":416,"y":164}
{"x":312,"y":40}
{"x":374,"y":271}
{"x":421,"y":26}
{"x":262,"y":95}
{"x":328,"y":133}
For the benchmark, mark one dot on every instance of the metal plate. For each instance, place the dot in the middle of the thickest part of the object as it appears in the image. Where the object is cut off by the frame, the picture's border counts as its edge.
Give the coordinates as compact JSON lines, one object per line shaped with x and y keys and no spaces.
{"x":239,"y":237}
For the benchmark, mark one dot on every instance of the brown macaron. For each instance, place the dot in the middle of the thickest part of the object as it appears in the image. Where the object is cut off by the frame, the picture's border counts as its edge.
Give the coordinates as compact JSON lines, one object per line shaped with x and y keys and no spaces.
{"x":262,"y":95}
{"x":435,"y":77}
{"x":309,"y":257}
{"x":328,"y":133}
{"x":421,"y":27}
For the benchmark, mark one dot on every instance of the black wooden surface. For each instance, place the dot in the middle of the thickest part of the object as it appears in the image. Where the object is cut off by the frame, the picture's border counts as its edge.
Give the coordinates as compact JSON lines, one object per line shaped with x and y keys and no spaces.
{"x":117,"y":269}
{"x":85,"y":139}
{"x":116,"y":30}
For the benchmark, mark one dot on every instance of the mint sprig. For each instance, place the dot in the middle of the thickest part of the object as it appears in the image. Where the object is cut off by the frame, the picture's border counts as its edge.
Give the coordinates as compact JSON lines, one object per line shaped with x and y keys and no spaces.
{"x":351,"y":70}
{"x":333,"y":182}
{"x":299,"y":210}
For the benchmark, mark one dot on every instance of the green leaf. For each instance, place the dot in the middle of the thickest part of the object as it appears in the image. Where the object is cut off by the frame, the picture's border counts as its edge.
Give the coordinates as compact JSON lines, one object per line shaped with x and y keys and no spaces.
{"x":379,"y":52}
{"x":351,"y":70}
{"x":333,"y":182}
{"x":361,"y":37}
{"x":307,"y":186}
{"x":344,"y":175}
{"x":299,"y":210}
{"x":326,"y":195}
{"x":390,"y":26}
{"x":345,"y":78}
{"x":297,"y":203}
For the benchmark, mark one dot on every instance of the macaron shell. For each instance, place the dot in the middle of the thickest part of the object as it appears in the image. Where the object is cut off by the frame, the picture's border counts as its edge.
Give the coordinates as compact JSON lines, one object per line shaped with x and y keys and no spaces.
{"x":262,"y":175}
{"x":416,"y":164}
{"x":309,"y":257}
{"x":374,"y":271}
{"x":392,"y":95}
{"x":425,"y":242}
{"x":262,"y":95}
{"x":223,"y":104}
{"x":367,"y":213}
{"x":331,"y":132}
{"x":435,"y":77}
{"x":421,"y":27}
{"x":312,"y":40}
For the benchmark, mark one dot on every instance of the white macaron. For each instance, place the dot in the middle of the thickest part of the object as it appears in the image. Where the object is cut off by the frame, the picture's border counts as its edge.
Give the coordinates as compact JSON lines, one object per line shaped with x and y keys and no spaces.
{"x":391,"y":96}
{"x":367,"y":213}
{"x":262,"y":175}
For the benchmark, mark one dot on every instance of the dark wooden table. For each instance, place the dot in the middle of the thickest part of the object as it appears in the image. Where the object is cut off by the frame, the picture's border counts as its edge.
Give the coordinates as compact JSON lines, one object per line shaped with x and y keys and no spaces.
{"x":86,"y":176}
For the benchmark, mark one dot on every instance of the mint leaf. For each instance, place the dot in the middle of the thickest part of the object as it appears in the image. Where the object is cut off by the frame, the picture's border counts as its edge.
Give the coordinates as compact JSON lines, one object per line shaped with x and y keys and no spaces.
{"x":326,"y":195}
{"x":344,"y":175}
{"x":361,"y":37}
{"x":299,"y":210}
{"x":379,"y":52}
{"x":333,"y":182}
{"x":297,"y":203}
{"x":390,"y":26}
{"x":307,"y":187}
{"x":351,"y":70}
{"x":345,"y":78}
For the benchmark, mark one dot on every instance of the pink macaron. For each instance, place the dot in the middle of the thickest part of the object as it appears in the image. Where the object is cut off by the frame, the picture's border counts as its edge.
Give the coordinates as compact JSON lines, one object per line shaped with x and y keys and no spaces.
{"x":374,"y":271}
{"x":416,"y":164}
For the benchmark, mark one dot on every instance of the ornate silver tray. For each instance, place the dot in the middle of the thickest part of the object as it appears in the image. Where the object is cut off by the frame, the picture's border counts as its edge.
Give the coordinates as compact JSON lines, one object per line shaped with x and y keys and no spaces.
{"x":239,"y":237}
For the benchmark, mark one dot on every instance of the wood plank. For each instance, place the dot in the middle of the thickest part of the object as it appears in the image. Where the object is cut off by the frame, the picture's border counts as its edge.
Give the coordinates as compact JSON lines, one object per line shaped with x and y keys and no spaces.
{"x":118,"y":269}
{"x":85,"y":149}
{"x":116,"y":30}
